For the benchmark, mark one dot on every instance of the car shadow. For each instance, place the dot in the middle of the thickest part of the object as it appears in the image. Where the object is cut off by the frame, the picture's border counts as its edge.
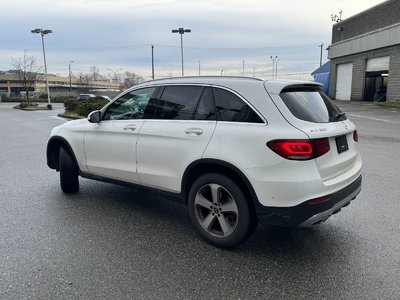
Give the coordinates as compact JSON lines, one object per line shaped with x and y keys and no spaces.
{"x":268,"y":243}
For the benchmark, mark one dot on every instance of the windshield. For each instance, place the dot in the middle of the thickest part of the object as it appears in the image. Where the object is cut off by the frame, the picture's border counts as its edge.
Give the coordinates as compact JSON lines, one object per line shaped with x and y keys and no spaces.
{"x":311,"y":105}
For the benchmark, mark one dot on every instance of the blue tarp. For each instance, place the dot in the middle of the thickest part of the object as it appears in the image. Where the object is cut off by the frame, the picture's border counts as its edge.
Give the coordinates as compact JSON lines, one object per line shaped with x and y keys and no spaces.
{"x":321,"y":75}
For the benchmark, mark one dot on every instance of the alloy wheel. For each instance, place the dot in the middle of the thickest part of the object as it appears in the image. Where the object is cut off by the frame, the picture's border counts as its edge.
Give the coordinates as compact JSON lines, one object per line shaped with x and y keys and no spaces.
{"x":216,"y":210}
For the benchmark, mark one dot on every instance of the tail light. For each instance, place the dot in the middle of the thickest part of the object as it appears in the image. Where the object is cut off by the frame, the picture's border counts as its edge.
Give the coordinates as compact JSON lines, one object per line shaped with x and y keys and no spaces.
{"x":300,"y":149}
{"x":355,"y":136}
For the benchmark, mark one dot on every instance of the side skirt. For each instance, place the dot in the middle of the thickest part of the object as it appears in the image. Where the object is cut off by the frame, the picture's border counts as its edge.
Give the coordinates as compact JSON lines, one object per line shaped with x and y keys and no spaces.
{"x":175,"y":197}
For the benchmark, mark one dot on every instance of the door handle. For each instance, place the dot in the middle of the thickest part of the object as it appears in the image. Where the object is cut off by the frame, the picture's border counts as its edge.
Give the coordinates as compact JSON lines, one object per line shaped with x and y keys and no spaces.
{"x":131,"y":127}
{"x":194,"y":131}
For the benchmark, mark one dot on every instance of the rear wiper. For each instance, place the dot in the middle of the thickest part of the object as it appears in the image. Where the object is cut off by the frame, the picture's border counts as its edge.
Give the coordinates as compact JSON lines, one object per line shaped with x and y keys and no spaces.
{"x":340,"y":115}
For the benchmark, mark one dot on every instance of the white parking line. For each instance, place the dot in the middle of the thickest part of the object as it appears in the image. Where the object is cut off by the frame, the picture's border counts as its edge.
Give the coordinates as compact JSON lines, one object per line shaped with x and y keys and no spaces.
{"x":375,"y":119}
{"x":57,"y":117}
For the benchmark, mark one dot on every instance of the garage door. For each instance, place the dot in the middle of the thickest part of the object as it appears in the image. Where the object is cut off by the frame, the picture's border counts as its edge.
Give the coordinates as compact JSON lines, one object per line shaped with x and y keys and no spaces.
{"x":343,"y":82}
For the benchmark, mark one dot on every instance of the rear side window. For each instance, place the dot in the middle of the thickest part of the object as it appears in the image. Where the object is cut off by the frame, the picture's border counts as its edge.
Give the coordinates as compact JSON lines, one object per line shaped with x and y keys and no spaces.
{"x":205,"y":108}
{"x":178,"y":102}
{"x":311,"y":105}
{"x":231,"y":108}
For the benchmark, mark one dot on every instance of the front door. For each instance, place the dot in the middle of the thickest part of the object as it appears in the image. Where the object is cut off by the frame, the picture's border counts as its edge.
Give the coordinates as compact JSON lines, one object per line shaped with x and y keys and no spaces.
{"x":110,"y":146}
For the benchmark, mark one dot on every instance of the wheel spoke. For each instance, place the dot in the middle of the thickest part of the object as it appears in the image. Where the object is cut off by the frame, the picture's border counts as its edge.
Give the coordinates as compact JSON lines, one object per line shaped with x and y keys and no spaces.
{"x":226,"y":228}
{"x":215,"y":192}
{"x":201,"y":201}
{"x":229,"y":207}
{"x":208,"y":221}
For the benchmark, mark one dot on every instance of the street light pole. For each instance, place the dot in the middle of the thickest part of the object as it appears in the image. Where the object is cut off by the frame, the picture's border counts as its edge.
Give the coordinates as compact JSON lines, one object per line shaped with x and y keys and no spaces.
{"x":115,"y":73}
{"x":152,"y":61}
{"x":42,"y":33}
{"x":276,"y":68}
{"x":199,"y":68}
{"x":70,"y":82}
{"x":320,"y":57}
{"x":273,"y":65}
{"x":181,"y":31}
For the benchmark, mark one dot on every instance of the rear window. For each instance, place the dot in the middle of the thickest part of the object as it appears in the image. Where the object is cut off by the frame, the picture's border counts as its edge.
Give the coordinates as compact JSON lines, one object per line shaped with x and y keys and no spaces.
{"x":311,"y":105}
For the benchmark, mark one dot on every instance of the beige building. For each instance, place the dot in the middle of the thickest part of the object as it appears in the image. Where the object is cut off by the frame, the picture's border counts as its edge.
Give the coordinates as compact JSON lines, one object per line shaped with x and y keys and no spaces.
{"x":10,"y":84}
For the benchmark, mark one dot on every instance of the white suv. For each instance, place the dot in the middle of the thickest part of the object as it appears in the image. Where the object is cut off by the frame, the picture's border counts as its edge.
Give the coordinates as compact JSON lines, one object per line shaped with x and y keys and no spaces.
{"x":235,"y":150}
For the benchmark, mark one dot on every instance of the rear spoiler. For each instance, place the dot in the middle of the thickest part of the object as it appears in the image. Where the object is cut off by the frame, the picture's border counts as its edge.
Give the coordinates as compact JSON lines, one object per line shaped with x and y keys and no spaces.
{"x":278,"y":86}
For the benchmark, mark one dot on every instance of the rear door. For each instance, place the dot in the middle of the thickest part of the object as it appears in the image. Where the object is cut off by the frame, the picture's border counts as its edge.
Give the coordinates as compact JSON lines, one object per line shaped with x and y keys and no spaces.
{"x":177,"y":135}
{"x":312,"y":112}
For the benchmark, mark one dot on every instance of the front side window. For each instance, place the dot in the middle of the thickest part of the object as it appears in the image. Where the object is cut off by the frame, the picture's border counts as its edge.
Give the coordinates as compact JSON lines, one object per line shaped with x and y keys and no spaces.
{"x":178,"y":102}
{"x":311,"y":105}
{"x":231,"y":108}
{"x":132,"y":105}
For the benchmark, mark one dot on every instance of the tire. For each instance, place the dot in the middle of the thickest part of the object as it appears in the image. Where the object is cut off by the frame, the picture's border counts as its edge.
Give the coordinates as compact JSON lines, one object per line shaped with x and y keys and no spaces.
{"x":219,"y":211}
{"x":68,"y":173}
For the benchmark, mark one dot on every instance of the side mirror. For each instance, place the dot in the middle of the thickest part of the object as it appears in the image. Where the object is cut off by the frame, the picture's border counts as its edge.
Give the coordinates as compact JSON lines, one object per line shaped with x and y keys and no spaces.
{"x":94,"y":116}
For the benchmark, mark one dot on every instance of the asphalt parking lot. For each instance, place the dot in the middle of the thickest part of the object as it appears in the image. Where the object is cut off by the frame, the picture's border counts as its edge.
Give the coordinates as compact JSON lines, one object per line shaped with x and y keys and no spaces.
{"x":112,"y":242}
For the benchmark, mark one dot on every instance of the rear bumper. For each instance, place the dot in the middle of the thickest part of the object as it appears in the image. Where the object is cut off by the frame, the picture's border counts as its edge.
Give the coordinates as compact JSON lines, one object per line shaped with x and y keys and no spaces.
{"x":310,"y":212}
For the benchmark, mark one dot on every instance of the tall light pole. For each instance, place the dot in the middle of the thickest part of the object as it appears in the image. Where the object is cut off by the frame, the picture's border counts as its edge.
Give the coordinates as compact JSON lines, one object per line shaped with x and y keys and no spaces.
{"x":273,"y":65}
{"x":320,"y":57}
{"x":276,"y":68}
{"x":199,"y":67}
{"x":152,"y":61}
{"x":70,"y":81}
{"x":115,"y":73}
{"x":42,"y":33}
{"x":181,"y":31}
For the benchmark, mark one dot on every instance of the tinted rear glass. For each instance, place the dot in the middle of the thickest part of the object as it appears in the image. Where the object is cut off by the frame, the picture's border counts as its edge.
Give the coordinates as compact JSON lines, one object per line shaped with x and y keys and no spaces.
{"x":178,"y":102}
{"x":231,"y":108}
{"x":311,"y":105}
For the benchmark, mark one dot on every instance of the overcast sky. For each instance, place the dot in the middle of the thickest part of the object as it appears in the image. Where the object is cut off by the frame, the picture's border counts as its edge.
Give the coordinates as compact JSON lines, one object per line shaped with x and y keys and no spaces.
{"x":115,"y":34}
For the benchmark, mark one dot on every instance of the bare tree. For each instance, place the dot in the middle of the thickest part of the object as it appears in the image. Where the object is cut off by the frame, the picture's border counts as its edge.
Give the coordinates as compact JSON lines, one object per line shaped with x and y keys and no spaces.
{"x":95,"y":73}
{"x":84,"y":81}
{"x":27,"y":72}
{"x":131,"y":79}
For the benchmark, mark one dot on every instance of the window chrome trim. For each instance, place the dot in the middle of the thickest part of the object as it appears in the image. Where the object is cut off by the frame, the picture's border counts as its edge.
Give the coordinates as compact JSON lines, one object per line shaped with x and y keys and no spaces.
{"x":157,"y":85}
